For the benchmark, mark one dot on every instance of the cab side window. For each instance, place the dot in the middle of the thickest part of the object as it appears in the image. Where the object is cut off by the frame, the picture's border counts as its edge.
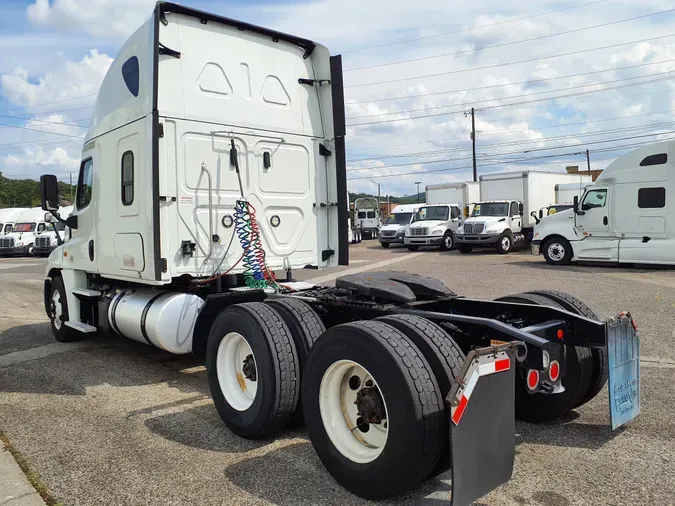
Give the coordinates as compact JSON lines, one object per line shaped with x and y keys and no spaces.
{"x":514,"y":209}
{"x":454,"y":212}
{"x":594,"y":198}
{"x":41,"y":228}
{"x":127,"y":178}
{"x":84,"y":184}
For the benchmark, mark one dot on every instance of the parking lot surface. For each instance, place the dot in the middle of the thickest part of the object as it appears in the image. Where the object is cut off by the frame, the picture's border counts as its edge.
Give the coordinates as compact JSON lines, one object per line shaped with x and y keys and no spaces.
{"x":110,"y":421}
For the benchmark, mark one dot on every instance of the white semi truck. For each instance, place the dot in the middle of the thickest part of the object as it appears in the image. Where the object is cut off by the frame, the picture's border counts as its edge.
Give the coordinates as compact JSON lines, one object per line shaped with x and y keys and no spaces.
{"x":216,"y":157}
{"x":367,"y":217}
{"x":626,"y":216}
{"x":20,"y":241}
{"x":8,"y":217}
{"x":465,"y":194}
{"x":509,"y":207}
{"x":55,"y":233}
{"x":393,"y":229}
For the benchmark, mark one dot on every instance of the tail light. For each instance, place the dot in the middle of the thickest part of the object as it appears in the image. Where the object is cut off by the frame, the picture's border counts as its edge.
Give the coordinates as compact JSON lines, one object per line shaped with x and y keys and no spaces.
{"x":554,"y":371}
{"x":532,"y":379}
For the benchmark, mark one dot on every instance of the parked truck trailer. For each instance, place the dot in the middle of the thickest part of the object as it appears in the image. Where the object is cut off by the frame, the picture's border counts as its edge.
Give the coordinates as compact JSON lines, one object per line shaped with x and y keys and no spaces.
{"x":396,"y":377}
{"x":465,"y":194}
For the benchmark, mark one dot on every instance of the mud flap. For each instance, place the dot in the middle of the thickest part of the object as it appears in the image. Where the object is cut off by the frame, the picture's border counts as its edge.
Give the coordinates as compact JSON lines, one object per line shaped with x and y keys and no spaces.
{"x":623,"y":351}
{"x":482,"y":425}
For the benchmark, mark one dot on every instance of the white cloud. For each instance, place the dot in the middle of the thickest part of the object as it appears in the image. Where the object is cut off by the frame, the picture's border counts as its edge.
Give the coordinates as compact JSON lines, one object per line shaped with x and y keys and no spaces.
{"x":98,"y":18}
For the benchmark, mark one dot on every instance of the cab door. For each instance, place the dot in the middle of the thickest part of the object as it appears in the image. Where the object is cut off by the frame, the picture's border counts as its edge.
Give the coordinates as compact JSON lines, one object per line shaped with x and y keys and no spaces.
{"x":598,"y":242}
{"x":82,"y":247}
{"x":516,"y":218}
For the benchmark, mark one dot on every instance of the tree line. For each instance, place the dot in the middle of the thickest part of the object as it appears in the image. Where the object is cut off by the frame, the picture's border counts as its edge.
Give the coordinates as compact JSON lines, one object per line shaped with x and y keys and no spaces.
{"x":26,"y":192}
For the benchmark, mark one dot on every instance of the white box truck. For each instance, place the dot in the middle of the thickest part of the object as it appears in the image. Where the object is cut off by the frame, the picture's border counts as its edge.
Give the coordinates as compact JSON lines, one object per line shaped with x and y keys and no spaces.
{"x":626,"y":216}
{"x":510,"y":205}
{"x":8,"y":217}
{"x":367,"y":217}
{"x":28,"y":227}
{"x":464,"y":194}
{"x":393,"y":229}
{"x":216,"y":156}
{"x":565,"y":192}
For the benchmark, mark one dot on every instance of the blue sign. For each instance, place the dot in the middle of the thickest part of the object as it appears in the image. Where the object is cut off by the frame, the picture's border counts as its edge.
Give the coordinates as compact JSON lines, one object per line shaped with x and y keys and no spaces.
{"x":623,"y":349}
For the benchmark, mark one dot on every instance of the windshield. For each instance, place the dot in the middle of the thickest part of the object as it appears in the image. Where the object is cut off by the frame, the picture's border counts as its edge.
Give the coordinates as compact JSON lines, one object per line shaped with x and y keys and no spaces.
{"x":362,"y":214}
{"x":8,"y":228}
{"x":398,"y":219}
{"x":24,"y":227}
{"x":491,"y":209}
{"x":439,"y":213}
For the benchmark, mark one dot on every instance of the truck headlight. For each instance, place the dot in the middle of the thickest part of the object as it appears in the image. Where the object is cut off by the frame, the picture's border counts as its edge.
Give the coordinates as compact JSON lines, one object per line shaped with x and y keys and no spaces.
{"x":19,"y":243}
{"x":438,"y":231}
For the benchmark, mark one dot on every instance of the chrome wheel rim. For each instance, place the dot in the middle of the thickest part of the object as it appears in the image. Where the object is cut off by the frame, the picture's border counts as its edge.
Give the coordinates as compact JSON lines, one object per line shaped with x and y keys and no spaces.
{"x":57,"y":310}
{"x":506,"y":243}
{"x":556,"y":251}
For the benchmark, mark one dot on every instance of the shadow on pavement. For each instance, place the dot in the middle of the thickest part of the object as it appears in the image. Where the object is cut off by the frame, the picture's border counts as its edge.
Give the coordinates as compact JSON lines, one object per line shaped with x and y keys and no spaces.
{"x":566,"y":433}
{"x":102,"y":360}
{"x":200,"y":427}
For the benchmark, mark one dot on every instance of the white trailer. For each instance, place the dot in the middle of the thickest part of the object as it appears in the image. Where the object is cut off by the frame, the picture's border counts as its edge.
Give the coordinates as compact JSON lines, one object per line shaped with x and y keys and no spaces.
{"x":367,"y":216}
{"x":510,"y":205}
{"x":464,"y":194}
{"x":8,"y":217}
{"x":626,"y":216}
{"x":27,"y":228}
{"x":215,"y":157}
{"x":565,"y":192}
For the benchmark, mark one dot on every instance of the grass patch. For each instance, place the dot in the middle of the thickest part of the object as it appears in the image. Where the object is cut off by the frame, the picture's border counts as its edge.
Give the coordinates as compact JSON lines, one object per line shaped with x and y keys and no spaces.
{"x":32,"y":476}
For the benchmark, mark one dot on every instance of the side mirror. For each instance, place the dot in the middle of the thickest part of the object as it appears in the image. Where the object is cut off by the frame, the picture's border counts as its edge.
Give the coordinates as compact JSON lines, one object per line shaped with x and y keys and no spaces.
{"x":520,"y":208}
{"x":536,"y":218}
{"x":71,"y":222}
{"x":576,"y":204}
{"x":49,"y":193}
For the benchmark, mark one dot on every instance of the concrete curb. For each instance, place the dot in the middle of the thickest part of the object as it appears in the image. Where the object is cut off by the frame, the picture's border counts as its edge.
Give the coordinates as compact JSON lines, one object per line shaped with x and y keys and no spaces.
{"x":15,"y":489}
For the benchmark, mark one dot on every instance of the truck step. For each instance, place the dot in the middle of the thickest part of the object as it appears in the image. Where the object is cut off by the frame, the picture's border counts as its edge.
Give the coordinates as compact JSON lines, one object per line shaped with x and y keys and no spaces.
{"x":81,"y":327}
{"x":86,"y":292}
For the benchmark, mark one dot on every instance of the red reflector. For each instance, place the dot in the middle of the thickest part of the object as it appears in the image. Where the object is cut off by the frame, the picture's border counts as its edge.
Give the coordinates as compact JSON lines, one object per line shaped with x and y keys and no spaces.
{"x":632,"y":320}
{"x":554,"y":371}
{"x":502,"y":365}
{"x":532,"y":379}
{"x":457,"y":415}
{"x":560,"y":334}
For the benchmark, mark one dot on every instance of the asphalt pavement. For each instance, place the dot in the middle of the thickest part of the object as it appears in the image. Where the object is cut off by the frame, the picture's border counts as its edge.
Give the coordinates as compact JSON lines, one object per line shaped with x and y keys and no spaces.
{"x":111,"y":421}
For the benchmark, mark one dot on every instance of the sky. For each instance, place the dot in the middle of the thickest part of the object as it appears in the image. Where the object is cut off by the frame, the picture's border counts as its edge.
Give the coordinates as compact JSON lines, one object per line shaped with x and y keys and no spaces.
{"x":548,"y":80}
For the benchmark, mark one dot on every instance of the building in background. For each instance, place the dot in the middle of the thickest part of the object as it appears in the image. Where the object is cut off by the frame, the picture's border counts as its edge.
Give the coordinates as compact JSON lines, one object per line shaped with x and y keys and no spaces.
{"x":574,"y":169}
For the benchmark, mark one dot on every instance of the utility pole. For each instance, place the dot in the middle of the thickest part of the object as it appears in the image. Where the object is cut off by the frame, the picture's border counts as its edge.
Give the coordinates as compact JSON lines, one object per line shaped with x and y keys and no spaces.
{"x":379,"y":211}
{"x":588,"y":162}
{"x":417,"y":198}
{"x":473,"y":142}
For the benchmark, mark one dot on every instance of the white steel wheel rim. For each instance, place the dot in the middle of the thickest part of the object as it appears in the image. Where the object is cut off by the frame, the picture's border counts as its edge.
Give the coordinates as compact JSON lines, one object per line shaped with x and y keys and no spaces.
{"x":337,"y":404}
{"x":57,"y":310}
{"x":239,"y":391}
{"x":506,"y":243}
{"x":556,"y":251}
{"x":448,"y":241}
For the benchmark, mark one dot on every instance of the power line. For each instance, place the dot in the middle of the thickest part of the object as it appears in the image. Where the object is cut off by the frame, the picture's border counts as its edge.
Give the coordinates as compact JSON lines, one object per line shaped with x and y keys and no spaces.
{"x":501,"y":106}
{"x":418,"y":173}
{"x":444,"y":160}
{"x":510,"y":43}
{"x":512,"y":143}
{"x":50,"y":103}
{"x":531,"y":81}
{"x":41,"y":131}
{"x":28,"y":143}
{"x":559,"y":55}
{"x":530,"y":94}
{"x":42,"y":120}
{"x":473,"y":28}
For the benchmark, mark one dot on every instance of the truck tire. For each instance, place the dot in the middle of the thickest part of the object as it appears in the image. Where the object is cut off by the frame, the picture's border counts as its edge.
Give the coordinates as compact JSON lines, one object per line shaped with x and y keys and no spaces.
{"x":253,"y":369}
{"x":448,"y":241}
{"x":540,"y":407}
{"x":58,"y":313}
{"x":413,"y":248}
{"x":385,"y":244}
{"x":443,"y":354}
{"x":464,"y":248}
{"x":377,"y":364}
{"x":505,"y":242}
{"x":557,"y":251}
{"x":600,"y":370}
{"x":305,"y":327}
